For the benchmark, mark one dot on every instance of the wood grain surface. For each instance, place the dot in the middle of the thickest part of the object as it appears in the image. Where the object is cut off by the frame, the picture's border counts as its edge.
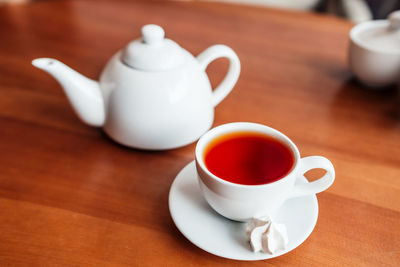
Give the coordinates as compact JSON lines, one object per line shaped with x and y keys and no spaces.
{"x":69,"y":196}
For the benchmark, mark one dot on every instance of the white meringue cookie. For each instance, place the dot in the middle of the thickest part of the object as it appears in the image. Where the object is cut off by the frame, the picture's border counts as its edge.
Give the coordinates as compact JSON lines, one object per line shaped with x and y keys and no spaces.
{"x":266,"y":235}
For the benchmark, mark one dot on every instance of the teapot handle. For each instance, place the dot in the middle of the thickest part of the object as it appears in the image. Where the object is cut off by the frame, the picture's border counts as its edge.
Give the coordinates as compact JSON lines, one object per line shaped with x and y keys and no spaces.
{"x":227,"y":84}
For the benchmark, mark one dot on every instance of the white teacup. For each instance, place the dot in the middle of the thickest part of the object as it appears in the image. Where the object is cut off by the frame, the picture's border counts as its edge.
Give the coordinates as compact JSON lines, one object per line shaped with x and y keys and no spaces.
{"x":242,"y":202}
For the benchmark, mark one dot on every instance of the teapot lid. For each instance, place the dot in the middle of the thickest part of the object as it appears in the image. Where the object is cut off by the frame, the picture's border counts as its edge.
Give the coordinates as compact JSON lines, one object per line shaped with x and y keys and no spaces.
{"x":153,"y":52}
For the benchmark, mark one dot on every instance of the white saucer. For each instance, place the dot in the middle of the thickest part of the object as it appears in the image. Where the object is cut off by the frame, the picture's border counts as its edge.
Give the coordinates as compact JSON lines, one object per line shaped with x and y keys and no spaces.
{"x":217,"y":235}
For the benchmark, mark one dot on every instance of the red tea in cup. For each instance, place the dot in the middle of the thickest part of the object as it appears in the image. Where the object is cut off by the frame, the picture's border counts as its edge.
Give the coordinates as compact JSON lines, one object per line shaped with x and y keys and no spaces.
{"x":248,"y":158}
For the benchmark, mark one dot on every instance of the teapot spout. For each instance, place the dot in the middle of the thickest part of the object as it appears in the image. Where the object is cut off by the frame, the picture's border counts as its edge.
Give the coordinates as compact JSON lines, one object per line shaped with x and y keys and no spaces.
{"x":84,"y":94}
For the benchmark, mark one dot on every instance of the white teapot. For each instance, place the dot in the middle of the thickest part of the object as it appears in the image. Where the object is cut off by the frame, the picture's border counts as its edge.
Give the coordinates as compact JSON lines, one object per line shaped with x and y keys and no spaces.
{"x":153,"y":94}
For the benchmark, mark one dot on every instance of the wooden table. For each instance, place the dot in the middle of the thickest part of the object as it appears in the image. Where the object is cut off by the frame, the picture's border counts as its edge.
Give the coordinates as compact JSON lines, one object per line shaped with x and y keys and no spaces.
{"x":71,"y":196}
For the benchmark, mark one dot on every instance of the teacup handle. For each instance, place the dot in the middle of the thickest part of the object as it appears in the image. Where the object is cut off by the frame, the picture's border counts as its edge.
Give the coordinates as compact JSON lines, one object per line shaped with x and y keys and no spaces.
{"x":227,"y":84}
{"x":314,"y":187}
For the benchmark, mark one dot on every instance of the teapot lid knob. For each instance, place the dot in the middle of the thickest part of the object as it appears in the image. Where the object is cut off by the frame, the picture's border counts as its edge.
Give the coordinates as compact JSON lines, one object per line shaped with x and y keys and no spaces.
{"x":153,"y":52}
{"x":152,"y":34}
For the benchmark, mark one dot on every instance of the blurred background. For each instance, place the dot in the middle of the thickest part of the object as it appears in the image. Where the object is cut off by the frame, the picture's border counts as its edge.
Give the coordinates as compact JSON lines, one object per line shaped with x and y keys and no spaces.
{"x":354,"y":10}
